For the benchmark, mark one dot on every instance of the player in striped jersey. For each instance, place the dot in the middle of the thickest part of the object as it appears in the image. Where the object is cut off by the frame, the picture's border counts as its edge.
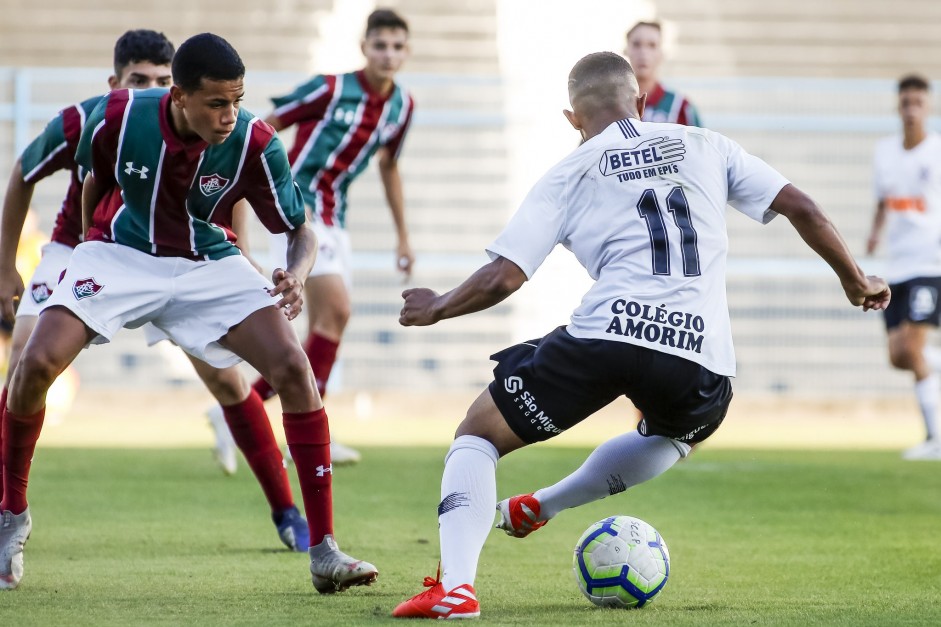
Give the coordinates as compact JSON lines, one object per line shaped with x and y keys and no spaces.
{"x":141,"y":60}
{"x":644,"y":49}
{"x":342,"y":121}
{"x":165,"y":171}
{"x":642,"y":207}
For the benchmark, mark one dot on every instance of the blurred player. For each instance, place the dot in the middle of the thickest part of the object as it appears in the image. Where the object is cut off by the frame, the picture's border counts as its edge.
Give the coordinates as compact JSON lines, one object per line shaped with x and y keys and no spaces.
{"x":141,"y":60}
{"x":644,"y":49}
{"x":342,"y":121}
{"x":165,"y":170}
{"x":907,"y":175}
{"x":642,"y":206}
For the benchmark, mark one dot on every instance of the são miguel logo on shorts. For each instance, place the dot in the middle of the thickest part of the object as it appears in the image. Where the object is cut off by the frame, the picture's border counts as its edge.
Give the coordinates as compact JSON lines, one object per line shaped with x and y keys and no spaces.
{"x":212,"y":184}
{"x":85,"y":288}
{"x":40,"y":292}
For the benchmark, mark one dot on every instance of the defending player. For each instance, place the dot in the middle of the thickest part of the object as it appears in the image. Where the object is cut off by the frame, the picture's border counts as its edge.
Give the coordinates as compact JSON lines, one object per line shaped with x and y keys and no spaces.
{"x":644,"y":49}
{"x":908,"y":188}
{"x":165,"y":170}
{"x":342,"y":121}
{"x":642,"y":207}
{"x":141,"y":60}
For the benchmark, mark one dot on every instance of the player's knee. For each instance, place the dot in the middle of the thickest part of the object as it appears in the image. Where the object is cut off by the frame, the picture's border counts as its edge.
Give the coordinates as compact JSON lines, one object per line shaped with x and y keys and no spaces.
{"x":35,"y":372}
{"x":291,"y":373}
{"x":902,"y":357}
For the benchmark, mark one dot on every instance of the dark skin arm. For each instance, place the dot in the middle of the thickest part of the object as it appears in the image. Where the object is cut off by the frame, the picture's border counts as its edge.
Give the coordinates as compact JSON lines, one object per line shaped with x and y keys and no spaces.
{"x":490,"y":285}
{"x":816,"y":229}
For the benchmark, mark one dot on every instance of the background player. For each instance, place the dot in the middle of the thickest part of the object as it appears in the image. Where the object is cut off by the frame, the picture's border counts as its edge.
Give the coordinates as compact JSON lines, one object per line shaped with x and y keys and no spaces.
{"x":654,"y":326}
{"x":342,"y":121}
{"x":644,"y":49}
{"x":907,"y":178}
{"x":141,"y":60}
{"x":160,"y":249}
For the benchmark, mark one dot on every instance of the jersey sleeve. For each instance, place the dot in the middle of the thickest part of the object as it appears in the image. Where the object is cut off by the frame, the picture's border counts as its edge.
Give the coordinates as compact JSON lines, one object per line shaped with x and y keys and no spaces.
{"x":307,"y":102}
{"x":98,"y":144}
{"x":48,"y":153}
{"x":689,"y":115}
{"x":752,"y":183}
{"x":394,"y":143}
{"x":536,"y":227}
{"x":271,"y":190}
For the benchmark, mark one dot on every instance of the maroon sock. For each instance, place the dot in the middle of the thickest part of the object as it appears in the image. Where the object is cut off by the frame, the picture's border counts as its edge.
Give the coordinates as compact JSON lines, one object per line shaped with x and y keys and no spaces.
{"x":322,"y":353}
{"x":3,"y":408}
{"x":251,"y":430}
{"x":263,"y":389}
{"x":308,"y":435}
{"x":20,"y":434}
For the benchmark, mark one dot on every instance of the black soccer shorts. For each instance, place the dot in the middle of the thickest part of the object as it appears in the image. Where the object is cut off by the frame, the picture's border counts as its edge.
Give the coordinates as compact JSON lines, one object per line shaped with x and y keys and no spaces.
{"x":915,"y":300}
{"x":545,"y":386}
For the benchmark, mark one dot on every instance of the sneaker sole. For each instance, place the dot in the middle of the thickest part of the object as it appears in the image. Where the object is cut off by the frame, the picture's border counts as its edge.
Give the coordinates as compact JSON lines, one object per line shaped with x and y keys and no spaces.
{"x":328,"y":586}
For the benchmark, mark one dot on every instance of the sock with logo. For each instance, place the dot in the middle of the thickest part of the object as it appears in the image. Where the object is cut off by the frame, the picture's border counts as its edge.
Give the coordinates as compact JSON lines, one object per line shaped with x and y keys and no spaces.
{"x":613,"y":467}
{"x":251,"y":430}
{"x":322,"y":354}
{"x":308,"y":436}
{"x":3,"y":408}
{"x":927,"y":391}
{"x":20,"y":434}
{"x":465,"y":514}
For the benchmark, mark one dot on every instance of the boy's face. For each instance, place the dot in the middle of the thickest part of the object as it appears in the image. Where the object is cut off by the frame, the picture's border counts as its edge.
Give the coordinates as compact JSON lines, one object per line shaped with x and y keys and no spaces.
{"x":644,"y":52}
{"x":212,"y":110}
{"x":385,"y":50}
{"x":914,"y":105}
{"x":141,"y":75}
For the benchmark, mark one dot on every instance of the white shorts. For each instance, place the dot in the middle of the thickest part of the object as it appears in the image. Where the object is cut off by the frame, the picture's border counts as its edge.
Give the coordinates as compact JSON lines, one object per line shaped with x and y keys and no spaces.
{"x":55,"y":258}
{"x":334,"y":252}
{"x":110,"y":286}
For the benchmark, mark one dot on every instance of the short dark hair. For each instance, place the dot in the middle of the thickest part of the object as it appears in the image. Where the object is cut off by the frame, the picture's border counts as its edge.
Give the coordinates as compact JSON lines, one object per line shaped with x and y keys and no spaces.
{"x":139,"y":45}
{"x":914,"y":81}
{"x":385,"y":18}
{"x":633,"y":28}
{"x":205,"y":56}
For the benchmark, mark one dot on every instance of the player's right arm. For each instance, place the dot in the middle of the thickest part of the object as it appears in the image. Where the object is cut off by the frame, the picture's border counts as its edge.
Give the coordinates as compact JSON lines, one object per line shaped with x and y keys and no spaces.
{"x":878,"y":222}
{"x":97,"y":154}
{"x":816,"y":229}
{"x":15,"y":206}
{"x":307,"y":102}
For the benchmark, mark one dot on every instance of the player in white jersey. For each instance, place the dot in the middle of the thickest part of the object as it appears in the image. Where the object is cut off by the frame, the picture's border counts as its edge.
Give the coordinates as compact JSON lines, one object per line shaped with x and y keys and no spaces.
{"x":642,"y":207}
{"x":907,"y":176}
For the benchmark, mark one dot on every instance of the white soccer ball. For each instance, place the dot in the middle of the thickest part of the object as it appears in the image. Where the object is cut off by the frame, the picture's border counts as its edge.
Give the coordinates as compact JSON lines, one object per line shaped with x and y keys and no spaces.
{"x":622,"y":562}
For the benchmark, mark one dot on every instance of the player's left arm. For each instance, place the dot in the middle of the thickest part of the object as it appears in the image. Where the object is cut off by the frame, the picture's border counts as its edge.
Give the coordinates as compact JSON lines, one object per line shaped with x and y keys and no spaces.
{"x":816,"y":229}
{"x":392,"y":183}
{"x":490,"y":285}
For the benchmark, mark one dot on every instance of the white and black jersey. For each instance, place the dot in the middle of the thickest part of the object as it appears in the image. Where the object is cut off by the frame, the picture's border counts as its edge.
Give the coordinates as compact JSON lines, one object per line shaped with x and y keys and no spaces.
{"x":642,"y":207}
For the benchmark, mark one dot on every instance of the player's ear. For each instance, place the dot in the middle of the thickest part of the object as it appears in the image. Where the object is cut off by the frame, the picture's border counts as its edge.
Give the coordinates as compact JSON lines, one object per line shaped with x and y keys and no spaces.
{"x":113,"y":82}
{"x":572,"y":118}
{"x":641,"y":105}
{"x":177,"y":96}
{"x":362,"y":46}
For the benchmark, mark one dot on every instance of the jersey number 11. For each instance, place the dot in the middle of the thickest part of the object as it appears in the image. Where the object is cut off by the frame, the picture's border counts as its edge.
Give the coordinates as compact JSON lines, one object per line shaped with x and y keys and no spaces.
{"x":649,"y":208}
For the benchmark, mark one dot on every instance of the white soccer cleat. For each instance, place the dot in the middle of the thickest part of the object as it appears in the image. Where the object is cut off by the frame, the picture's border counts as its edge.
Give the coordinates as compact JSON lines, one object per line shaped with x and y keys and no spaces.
{"x":14,"y":532}
{"x":225,"y":451}
{"x":332,"y":570}
{"x":929,"y":450}
{"x":341,"y":455}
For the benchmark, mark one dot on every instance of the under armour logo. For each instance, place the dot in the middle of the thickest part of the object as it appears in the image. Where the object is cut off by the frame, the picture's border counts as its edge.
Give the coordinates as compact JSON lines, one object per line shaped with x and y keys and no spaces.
{"x":132,"y":170}
{"x":322,"y":470}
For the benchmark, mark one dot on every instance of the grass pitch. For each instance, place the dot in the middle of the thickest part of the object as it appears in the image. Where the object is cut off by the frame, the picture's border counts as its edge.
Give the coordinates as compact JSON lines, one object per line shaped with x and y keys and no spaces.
{"x":128,"y":537}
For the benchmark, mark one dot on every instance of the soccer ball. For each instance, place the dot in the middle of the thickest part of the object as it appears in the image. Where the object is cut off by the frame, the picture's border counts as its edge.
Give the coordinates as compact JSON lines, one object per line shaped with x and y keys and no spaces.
{"x":621,"y":561}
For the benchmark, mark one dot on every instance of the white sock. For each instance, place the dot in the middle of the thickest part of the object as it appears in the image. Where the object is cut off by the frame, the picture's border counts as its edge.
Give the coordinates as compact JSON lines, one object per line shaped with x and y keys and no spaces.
{"x":933,"y":357}
{"x":468,"y":501}
{"x":613,"y":467}
{"x":927,"y":391}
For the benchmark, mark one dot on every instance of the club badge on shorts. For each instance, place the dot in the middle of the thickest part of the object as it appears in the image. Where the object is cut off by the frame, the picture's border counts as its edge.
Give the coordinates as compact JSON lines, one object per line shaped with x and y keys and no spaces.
{"x":85,"y":288}
{"x":40,"y":292}
{"x":212,"y":184}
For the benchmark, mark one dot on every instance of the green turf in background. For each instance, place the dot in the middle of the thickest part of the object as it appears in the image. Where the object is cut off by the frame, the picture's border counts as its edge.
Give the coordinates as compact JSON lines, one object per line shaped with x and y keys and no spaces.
{"x":765,"y":538}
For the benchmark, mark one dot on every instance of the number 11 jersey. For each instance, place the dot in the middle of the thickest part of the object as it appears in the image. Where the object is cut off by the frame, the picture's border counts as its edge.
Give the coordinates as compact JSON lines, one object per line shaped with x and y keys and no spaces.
{"x":642,"y":208}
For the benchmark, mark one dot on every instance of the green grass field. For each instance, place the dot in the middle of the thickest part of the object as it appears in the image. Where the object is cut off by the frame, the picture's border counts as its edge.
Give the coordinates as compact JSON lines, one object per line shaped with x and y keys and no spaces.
{"x":126,"y":537}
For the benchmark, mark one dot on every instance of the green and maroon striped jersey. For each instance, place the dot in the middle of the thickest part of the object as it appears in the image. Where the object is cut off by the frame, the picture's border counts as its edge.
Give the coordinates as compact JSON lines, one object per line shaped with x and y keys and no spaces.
{"x":54,"y":150}
{"x":171,"y":197}
{"x":670,"y":106}
{"x":341,"y":123}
